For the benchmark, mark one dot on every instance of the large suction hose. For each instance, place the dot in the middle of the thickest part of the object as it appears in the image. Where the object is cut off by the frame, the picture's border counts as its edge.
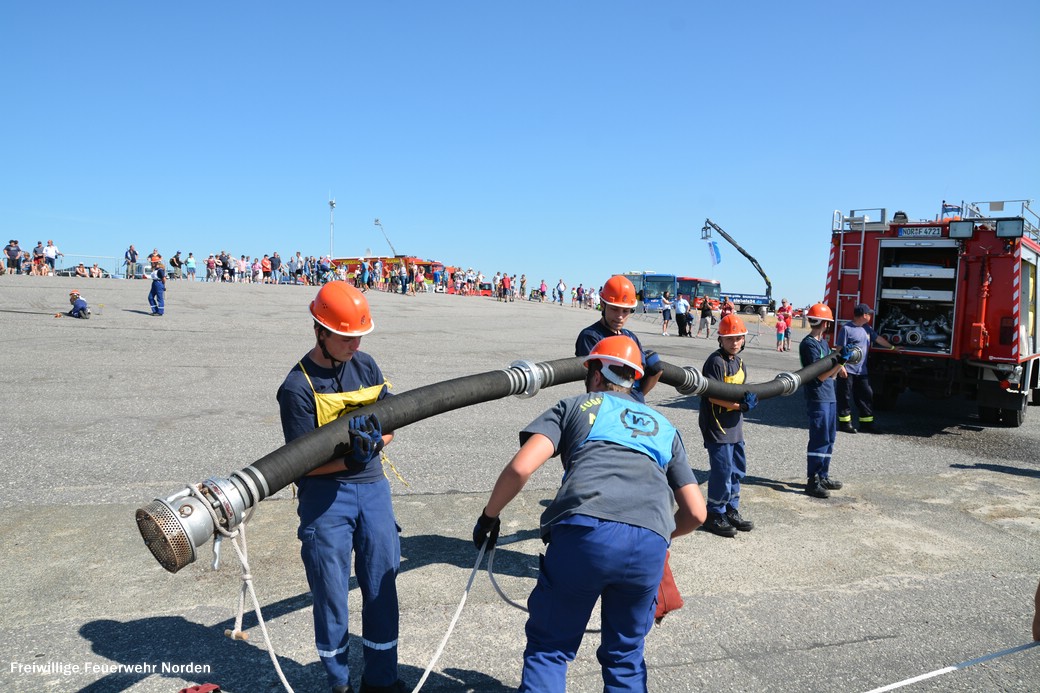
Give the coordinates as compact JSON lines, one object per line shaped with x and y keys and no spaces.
{"x":175,"y":527}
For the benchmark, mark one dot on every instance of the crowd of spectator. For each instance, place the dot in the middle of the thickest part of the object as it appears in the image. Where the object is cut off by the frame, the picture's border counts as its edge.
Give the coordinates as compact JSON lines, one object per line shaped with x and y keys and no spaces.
{"x":404,"y":277}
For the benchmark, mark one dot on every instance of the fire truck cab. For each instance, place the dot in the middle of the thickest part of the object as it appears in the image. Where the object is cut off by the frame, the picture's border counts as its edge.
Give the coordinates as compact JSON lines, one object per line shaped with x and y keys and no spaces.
{"x":957,"y":295}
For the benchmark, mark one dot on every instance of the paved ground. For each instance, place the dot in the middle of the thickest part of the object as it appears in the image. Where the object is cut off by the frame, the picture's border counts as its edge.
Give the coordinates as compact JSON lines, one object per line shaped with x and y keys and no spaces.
{"x":928,"y":558}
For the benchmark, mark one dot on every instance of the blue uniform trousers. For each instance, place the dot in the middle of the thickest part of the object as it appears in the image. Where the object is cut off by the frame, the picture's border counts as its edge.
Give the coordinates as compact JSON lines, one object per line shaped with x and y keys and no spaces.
{"x":337,"y":518}
{"x":823,"y":429}
{"x":855,"y":389}
{"x":157,"y":298}
{"x":590,"y":559}
{"x":728,"y":468}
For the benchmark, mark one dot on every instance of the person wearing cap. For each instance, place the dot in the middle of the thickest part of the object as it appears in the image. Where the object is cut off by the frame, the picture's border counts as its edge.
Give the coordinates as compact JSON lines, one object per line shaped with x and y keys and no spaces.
{"x":13,"y":254}
{"x":79,"y":307}
{"x":608,"y":528}
{"x":855,"y":389}
{"x":344,"y":504}
{"x":39,"y":255}
{"x":177,"y":263}
{"x":721,"y":423}
{"x":618,"y":300}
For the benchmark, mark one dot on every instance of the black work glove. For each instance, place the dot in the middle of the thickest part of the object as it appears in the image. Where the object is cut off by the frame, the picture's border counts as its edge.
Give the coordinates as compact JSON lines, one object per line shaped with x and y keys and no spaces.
{"x":486,"y":529}
{"x":750,"y":402}
{"x":651,"y":362}
{"x":366,"y":438}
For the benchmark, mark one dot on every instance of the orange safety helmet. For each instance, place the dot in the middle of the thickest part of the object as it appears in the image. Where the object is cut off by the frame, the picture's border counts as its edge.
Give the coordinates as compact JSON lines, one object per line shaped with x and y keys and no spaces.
{"x":619,"y":291}
{"x":731,"y":326}
{"x":342,"y":309}
{"x":617,"y":350}
{"x":820,"y":311}
{"x":74,"y":292}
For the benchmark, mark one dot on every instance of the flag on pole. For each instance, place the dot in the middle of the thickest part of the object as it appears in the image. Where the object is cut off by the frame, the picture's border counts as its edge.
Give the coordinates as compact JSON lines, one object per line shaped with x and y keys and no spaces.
{"x":713,"y":250}
{"x":950,"y":209}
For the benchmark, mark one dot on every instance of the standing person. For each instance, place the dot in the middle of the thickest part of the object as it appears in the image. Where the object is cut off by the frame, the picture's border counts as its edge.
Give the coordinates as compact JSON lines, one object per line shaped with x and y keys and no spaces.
{"x":666,"y":313}
{"x":706,"y":318}
{"x":787,"y":312}
{"x":189,"y":265}
{"x":722,"y":426}
{"x":276,"y":267}
{"x":560,"y":289}
{"x":345,"y":505}
{"x":130,"y":260}
{"x":725,"y":308}
{"x":50,"y":256}
{"x":265,"y":268}
{"x":682,"y":312}
{"x":856,"y":387}
{"x":39,"y":255}
{"x":79,"y":307}
{"x":157,"y":294}
{"x":618,"y":300}
{"x":542,"y":289}
{"x":781,"y":327}
{"x":821,"y":403}
{"x":609,"y":526}
{"x":177,"y":263}
{"x":13,"y":254}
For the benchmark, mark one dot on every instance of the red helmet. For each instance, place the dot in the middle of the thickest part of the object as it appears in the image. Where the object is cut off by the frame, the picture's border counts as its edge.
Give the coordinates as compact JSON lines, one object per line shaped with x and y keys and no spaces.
{"x":820,"y":311}
{"x":617,"y":350}
{"x":342,"y":309}
{"x":731,"y":326}
{"x":618,"y":291}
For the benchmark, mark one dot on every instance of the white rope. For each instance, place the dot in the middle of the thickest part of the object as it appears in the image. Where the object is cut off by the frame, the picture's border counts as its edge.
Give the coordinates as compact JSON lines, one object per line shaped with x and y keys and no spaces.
{"x":955,"y":667}
{"x":247,"y":584}
{"x":454,"y":620}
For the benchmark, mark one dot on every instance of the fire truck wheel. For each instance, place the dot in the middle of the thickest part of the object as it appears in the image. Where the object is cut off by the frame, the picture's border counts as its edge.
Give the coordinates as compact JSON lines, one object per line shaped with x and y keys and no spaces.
{"x":989,"y":415}
{"x":1013,"y":418}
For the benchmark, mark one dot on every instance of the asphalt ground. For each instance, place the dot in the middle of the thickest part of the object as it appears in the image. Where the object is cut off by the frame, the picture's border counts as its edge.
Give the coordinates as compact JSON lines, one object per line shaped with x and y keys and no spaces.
{"x":929,"y":557}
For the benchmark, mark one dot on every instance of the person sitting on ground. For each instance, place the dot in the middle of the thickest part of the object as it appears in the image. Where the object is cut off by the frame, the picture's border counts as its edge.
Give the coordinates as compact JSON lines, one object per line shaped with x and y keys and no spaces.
{"x":79,"y":307}
{"x":95,"y":272}
{"x":81,"y":271}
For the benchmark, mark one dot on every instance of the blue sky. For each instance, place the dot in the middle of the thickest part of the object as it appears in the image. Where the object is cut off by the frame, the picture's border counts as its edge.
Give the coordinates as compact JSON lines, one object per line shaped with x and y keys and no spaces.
{"x":558,"y":139}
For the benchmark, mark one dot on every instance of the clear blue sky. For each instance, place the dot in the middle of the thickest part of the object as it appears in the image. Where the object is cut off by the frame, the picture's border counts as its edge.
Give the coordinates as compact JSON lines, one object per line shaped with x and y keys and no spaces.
{"x":558,"y":139}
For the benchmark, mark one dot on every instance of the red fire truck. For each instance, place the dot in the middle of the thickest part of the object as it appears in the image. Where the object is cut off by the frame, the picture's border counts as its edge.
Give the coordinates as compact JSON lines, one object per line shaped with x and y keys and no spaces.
{"x":958,"y":295}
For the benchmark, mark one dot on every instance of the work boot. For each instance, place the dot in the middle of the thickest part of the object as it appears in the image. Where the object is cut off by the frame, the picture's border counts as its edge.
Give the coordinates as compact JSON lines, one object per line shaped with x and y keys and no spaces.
{"x":815,"y":488}
{"x":870,"y":427}
{"x":738,"y":522}
{"x":395,"y":687}
{"x":718,"y":524}
{"x":830,"y":484}
{"x":846,"y":427}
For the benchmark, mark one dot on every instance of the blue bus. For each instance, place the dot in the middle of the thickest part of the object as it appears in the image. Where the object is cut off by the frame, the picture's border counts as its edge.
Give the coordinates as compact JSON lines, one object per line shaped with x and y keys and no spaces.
{"x":650,"y":287}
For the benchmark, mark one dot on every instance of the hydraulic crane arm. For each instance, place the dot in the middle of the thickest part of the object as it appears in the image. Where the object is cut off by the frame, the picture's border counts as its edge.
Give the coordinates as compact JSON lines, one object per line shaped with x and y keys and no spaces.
{"x":706,"y":234}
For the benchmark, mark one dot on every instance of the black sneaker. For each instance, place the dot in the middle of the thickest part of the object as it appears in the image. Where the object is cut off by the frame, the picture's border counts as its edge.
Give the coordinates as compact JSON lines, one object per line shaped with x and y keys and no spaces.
{"x":830,"y":484}
{"x":738,"y":522}
{"x":718,"y":524}
{"x":815,"y":488}
{"x":846,"y":427}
